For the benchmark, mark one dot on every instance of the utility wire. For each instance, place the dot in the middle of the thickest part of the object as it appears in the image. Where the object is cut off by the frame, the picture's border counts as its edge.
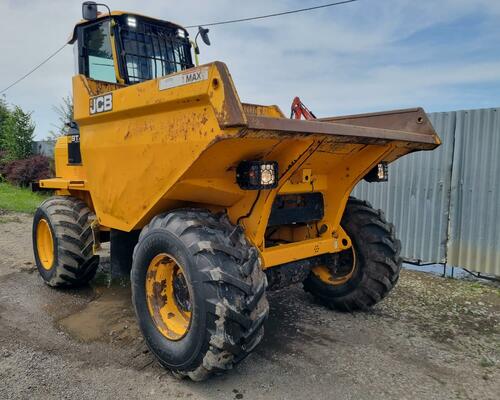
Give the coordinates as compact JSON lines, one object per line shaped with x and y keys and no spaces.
{"x":233,"y":21}
{"x":34,"y":69}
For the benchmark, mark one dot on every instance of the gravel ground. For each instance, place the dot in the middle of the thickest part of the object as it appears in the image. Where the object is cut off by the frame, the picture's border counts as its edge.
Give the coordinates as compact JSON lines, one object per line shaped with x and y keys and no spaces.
{"x":432,"y":338}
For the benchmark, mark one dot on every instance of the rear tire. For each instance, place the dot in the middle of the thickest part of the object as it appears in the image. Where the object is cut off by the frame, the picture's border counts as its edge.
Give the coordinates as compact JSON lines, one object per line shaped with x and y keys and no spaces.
{"x":377,"y":262}
{"x":63,"y":242}
{"x":226,"y":305}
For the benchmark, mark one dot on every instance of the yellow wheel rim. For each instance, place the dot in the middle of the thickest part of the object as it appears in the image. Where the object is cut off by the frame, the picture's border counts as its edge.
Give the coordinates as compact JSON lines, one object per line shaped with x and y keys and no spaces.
{"x":45,"y":244}
{"x":327,"y":275}
{"x":168,"y":297}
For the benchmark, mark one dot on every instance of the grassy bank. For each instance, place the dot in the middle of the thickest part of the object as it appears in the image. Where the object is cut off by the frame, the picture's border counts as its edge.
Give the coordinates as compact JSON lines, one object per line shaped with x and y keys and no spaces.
{"x":18,"y":199}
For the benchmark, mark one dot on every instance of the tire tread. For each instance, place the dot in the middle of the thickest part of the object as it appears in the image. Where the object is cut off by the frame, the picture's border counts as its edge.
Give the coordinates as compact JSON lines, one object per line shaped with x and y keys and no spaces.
{"x":71,"y":221}
{"x":233,"y":284}
{"x":382,"y":260}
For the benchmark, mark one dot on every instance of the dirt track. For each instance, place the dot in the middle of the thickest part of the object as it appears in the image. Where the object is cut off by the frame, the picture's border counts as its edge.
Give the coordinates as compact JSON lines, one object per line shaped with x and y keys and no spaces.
{"x":433,"y":338}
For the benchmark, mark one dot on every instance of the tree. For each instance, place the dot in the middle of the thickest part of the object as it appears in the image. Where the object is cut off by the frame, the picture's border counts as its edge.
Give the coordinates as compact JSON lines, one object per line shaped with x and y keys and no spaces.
{"x":64,"y":112}
{"x":16,"y":132}
{"x":4,"y":114}
{"x":17,"y":136}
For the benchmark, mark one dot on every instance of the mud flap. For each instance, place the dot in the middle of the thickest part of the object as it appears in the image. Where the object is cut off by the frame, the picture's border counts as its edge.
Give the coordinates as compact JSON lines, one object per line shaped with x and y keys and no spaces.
{"x":122,"y":249}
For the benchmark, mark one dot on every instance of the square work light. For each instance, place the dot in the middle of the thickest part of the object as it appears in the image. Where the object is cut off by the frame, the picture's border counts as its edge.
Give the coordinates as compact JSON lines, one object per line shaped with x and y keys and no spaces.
{"x":379,"y":173}
{"x":256,"y":175}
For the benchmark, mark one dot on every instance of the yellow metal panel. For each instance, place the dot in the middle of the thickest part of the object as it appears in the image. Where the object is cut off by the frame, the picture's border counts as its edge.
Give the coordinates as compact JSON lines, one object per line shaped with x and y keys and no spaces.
{"x":156,"y":150}
{"x":297,"y":251}
{"x":266,"y":111}
{"x":58,"y":183}
{"x":317,"y":183}
{"x":259,"y":207}
{"x":67,"y":176}
{"x":119,"y":78}
{"x":218,"y":191}
{"x":141,"y":148}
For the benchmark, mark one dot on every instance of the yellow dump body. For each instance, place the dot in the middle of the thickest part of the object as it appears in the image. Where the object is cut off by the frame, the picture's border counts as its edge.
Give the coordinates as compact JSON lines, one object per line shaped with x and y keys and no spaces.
{"x":175,"y":142}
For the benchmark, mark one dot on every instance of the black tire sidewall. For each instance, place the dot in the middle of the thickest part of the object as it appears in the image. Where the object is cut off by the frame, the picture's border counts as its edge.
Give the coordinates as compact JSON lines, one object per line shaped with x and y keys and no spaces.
{"x":377,"y":261}
{"x":187,"y":351}
{"x":47,"y":274}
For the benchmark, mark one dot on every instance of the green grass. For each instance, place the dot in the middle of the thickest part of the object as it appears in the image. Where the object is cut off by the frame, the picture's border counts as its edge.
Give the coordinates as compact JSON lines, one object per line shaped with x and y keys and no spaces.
{"x":19,"y":199}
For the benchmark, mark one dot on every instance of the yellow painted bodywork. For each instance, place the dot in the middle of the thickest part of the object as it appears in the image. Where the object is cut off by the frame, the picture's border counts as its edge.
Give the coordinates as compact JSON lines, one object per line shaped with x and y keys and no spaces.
{"x":158,"y":150}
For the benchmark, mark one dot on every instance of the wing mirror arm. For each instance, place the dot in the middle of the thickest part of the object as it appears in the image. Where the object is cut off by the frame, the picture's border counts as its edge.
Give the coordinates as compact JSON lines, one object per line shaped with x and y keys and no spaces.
{"x":196,"y":52}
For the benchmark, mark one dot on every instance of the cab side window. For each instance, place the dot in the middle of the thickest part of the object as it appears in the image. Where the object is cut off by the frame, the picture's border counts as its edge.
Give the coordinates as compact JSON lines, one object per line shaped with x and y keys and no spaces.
{"x":98,"y":54}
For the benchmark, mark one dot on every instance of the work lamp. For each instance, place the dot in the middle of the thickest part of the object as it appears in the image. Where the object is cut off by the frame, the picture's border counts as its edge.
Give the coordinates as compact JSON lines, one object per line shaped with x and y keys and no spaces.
{"x":132,"y":22}
{"x":379,"y":173}
{"x":256,"y":175}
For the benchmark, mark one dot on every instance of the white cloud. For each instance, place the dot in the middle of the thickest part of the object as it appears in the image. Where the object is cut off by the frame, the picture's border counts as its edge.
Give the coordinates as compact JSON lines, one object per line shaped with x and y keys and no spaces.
{"x":353,"y":58}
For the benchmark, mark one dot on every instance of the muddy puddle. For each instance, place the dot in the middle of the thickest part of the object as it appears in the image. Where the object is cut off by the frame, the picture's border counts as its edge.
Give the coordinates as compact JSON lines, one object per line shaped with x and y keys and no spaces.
{"x":109,"y":317}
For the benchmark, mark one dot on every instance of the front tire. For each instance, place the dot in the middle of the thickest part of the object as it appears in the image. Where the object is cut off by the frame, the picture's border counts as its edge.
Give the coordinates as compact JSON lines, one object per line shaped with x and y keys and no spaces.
{"x":63,"y":242}
{"x":364,"y":274}
{"x":198,"y":292}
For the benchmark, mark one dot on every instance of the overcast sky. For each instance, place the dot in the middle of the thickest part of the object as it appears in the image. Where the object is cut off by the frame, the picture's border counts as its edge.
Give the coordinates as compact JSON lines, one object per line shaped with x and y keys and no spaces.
{"x":366,"y":56}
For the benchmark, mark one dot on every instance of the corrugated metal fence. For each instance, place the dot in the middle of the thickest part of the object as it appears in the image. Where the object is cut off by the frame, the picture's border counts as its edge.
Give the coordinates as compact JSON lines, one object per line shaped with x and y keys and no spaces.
{"x":446,"y":203}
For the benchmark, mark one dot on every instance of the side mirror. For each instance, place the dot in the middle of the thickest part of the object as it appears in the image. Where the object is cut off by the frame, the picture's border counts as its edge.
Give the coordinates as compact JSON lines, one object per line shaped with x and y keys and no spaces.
{"x":203,"y":32}
{"x":89,"y":10}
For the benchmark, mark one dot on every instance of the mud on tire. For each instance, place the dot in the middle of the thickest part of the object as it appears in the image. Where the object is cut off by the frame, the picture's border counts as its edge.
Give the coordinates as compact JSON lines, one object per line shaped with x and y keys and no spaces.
{"x":377,"y":261}
{"x":69,"y":220}
{"x":226,"y":285}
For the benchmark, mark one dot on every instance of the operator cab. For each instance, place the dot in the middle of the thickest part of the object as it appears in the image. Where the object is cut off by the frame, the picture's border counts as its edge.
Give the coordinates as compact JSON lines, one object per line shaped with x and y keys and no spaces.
{"x":125,"y":48}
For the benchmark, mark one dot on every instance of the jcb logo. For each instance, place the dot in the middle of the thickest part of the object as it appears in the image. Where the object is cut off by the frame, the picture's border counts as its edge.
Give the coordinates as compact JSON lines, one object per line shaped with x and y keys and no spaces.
{"x":101,"y":104}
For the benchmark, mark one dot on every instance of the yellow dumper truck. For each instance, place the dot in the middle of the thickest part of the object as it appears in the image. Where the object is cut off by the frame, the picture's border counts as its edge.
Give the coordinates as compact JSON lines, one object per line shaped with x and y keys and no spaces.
{"x":207,"y":201}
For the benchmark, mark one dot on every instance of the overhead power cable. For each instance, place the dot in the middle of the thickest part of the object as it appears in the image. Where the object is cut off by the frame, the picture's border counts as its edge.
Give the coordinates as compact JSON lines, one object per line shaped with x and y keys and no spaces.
{"x":34,"y":68}
{"x":233,"y":21}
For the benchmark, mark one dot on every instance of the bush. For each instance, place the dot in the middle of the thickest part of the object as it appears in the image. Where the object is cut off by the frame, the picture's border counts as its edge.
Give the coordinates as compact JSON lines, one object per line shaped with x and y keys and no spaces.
{"x":23,"y":172}
{"x":4,"y":160}
{"x":16,"y":132}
